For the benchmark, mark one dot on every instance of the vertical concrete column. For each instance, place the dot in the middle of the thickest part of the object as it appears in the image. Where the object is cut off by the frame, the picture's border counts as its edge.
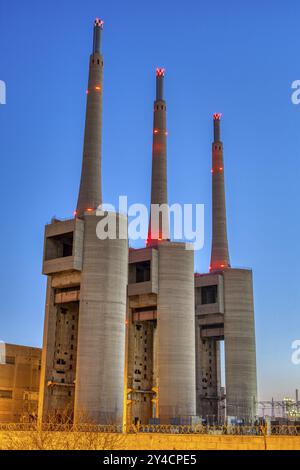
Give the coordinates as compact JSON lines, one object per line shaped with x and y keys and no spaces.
{"x":44,"y":407}
{"x":240,"y":353}
{"x":90,"y":191}
{"x":219,"y":251}
{"x":159,"y":191}
{"x":101,"y":330}
{"x":176,"y":332}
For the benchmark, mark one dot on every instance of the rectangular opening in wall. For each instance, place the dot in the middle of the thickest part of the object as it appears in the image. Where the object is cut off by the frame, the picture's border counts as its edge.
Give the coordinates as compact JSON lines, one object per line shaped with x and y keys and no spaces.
{"x":59,"y":246}
{"x":10,"y":360}
{"x":209,"y":294}
{"x":142,"y":271}
{"x":222,"y":365}
{"x":6,"y":394}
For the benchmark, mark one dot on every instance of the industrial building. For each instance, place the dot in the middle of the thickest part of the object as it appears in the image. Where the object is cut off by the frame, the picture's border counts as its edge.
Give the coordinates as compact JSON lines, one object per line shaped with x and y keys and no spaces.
{"x":19,"y":383}
{"x":133,"y":335}
{"x":161,"y":381}
{"x":224,"y":312}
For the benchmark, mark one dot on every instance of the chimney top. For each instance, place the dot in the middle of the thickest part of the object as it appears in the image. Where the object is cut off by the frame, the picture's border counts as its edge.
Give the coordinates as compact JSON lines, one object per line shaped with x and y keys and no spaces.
{"x":160,"y":72}
{"x":99,"y":23}
{"x":217,"y":116}
{"x":98,"y":27}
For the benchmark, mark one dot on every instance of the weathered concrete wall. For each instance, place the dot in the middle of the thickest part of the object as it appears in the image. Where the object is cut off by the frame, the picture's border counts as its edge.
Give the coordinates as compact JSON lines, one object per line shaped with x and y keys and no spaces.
{"x":93,"y":441}
{"x":176,"y":332}
{"x":59,"y":353}
{"x":101,"y":331}
{"x":142,"y":327}
{"x":239,"y":333}
{"x":140,"y":377}
{"x":54,"y":261}
{"x":207,"y":377}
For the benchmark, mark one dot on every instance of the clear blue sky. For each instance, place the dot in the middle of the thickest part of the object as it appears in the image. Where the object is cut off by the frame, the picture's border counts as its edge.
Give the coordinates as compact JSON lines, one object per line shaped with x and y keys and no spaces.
{"x":236,"y":57}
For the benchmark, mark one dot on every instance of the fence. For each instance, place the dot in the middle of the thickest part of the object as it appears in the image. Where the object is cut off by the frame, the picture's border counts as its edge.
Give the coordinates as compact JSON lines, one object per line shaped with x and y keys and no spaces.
{"x":234,"y":430}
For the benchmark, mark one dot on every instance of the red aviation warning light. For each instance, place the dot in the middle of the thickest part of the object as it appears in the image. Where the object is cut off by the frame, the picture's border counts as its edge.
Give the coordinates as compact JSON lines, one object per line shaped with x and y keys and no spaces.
{"x":217,"y":116}
{"x":99,"y":23}
{"x":160,"y":72}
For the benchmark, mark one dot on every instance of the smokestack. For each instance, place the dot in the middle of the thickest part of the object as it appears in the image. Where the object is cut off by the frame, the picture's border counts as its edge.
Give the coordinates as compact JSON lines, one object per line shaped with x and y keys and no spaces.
{"x":159,"y":225}
{"x":90,"y":192}
{"x":219,"y":251}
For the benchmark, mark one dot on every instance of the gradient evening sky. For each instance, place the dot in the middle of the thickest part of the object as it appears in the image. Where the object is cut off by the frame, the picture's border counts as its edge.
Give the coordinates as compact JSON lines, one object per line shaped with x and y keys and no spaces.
{"x":235,"y":57}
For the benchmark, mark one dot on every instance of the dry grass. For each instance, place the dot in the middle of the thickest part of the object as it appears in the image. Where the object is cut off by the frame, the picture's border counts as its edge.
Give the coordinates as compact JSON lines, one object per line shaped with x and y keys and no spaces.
{"x":60,"y":440}
{"x":59,"y":433}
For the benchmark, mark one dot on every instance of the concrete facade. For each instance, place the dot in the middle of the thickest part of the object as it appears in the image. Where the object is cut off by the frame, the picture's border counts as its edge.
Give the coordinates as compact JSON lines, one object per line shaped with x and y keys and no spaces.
{"x":101,"y":330}
{"x":240,"y":354}
{"x":209,"y":310}
{"x":225,"y":313}
{"x":161,"y":335}
{"x":19,"y":383}
{"x":59,"y":356}
{"x":176,"y":333}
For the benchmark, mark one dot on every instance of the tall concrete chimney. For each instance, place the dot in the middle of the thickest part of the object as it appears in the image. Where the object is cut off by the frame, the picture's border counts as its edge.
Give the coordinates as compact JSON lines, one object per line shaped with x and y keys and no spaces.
{"x":90,"y":192}
{"x":159,"y":226}
{"x":219,"y":250}
{"x":99,"y":386}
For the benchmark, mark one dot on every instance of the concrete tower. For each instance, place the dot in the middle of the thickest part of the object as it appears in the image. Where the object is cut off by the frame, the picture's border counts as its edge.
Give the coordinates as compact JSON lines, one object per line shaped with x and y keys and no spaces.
{"x":224,"y":312}
{"x":161,"y":323}
{"x":159,"y":225}
{"x":90,"y":194}
{"x":219,"y":247}
{"x":239,"y":337}
{"x":84,"y":335}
